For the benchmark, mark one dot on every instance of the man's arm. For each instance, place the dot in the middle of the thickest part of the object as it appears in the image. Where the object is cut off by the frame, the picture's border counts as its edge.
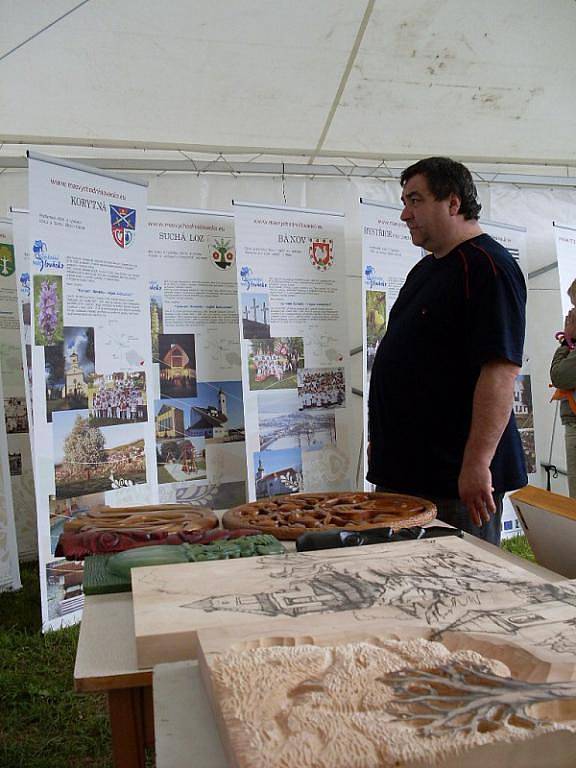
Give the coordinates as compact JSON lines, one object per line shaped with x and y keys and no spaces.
{"x":493,"y":398}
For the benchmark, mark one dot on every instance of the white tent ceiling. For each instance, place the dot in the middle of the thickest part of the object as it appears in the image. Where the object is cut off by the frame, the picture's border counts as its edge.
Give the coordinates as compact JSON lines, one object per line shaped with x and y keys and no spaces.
{"x":356,"y":81}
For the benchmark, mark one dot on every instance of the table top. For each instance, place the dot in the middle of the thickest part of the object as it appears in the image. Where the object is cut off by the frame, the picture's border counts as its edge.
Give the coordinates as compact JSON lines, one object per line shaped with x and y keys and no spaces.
{"x":106,"y":655}
{"x":185,"y":727}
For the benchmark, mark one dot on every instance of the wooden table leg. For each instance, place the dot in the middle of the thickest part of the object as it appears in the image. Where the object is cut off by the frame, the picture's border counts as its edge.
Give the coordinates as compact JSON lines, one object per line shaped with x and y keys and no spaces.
{"x":128,"y":721}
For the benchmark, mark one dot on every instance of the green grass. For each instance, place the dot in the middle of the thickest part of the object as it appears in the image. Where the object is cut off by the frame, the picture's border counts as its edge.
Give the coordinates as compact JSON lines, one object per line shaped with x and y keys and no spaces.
{"x":43,"y":722}
{"x":518,"y":545}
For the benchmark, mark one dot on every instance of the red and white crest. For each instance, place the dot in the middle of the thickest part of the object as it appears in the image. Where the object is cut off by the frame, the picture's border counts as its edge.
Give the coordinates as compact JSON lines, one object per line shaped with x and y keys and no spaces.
{"x":322,"y":253}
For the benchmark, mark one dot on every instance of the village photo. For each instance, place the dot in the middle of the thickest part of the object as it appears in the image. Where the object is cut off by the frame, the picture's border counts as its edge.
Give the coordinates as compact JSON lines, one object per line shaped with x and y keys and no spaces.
{"x":68,"y":371}
{"x":278,"y":472}
{"x":255,"y":315}
{"x":91,"y":459}
{"x":375,"y":324}
{"x":117,"y":398}
{"x":181,"y":460}
{"x":15,"y":415}
{"x":177,"y":359}
{"x":283,"y":425}
{"x":216,"y":413}
{"x":321,"y":388}
{"x":273,"y":363}
{"x":48,"y":310}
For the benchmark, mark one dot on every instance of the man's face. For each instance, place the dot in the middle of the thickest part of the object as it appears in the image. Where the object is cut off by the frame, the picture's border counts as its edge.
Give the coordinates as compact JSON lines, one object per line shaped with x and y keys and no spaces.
{"x":430,"y":221}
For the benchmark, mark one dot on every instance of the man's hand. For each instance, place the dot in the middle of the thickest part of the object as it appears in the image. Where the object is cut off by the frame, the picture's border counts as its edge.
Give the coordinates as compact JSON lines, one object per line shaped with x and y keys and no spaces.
{"x":475,"y":491}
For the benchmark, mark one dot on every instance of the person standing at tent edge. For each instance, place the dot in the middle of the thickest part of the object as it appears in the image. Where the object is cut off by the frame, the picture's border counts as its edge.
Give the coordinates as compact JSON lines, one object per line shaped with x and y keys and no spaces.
{"x":563,"y":376}
{"x":440,"y":416}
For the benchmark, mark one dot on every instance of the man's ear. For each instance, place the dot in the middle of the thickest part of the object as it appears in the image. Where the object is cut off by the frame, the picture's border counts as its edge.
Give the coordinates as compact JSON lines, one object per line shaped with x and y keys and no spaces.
{"x":454,"y":205}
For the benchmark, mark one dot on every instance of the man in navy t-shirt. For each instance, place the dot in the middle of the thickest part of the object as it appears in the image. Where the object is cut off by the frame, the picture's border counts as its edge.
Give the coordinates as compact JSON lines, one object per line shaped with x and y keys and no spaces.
{"x":442,"y":385}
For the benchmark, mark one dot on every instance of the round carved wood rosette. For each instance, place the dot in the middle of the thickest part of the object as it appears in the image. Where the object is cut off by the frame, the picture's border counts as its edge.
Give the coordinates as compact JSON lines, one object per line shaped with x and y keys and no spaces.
{"x":288,"y":517}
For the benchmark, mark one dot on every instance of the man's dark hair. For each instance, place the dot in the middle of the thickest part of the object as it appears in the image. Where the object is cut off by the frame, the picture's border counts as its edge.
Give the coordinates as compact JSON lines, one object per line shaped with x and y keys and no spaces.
{"x":446,"y":177}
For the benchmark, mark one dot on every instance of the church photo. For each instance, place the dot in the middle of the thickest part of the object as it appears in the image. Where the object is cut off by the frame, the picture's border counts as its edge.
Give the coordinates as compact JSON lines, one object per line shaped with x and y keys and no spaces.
{"x":177,"y":358}
{"x":69,"y":370}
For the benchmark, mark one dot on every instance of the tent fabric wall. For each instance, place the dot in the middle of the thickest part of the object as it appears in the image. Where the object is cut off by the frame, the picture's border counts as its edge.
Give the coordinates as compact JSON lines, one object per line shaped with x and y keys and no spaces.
{"x":533,"y":208}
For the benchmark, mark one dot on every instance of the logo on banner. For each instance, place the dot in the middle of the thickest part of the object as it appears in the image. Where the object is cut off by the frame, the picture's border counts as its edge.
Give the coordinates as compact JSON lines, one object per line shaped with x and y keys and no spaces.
{"x":7,"y":264}
{"x":372,"y":279}
{"x":123,"y":222}
{"x":322,"y":253}
{"x":42,"y":258}
{"x":222,"y":254}
{"x":25,"y":284}
{"x":248,"y":281}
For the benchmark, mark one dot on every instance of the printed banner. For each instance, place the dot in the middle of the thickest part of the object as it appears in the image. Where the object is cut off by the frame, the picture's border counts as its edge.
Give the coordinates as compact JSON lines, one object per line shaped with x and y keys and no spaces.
{"x":9,"y":571}
{"x":295,"y":354}
{"x":91,"y":358}
{"x":15,"y":401}
{"x":387,"y":256}
{"x":565,"y":237}
{"x":514,"y":240}
{"x":199,"y":414}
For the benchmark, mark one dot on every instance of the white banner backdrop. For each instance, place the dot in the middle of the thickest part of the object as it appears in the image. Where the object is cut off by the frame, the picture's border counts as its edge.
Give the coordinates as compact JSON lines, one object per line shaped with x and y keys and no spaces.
{"x":513,"y":238}
{"x":9,"y":571}
{"x":91,"y":358}
{"x":199,"y":415}
{"x":15,"y":404}
{"x":387,"y":256}
{"x":565,"y":238}
{"x":295,"y":351}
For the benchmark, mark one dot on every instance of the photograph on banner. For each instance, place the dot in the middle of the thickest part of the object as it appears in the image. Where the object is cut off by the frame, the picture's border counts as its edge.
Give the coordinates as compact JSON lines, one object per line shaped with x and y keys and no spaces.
{"x":90,"y":459}
{"x":69,"y":370}
{"x":255,"y":315}
{"x":278,"y":472}
{"x":274,"y":363}
{"x":48,"y":310}
{"x":15,"y":463}
{"x":216,"y":413}
{"x":292,"y":298}
{"x":16,"y":415}
{"x":65,"y":598}
{"x":117,"y":398}
{"x":156,"y":319}
{"x":375,"y":324}
{"x":181,"y":459}
{"x":177,"y":360}
{"x":283,"y":426}
{"x":321,"y":388}
{"x":524,"y":414}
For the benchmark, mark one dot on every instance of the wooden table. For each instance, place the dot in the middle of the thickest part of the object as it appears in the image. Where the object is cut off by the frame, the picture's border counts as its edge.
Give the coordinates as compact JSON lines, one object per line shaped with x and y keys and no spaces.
{"x":106,"y":663}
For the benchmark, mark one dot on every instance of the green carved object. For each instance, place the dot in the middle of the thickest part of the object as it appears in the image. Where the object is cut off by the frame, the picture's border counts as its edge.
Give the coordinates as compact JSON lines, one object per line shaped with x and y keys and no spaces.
{"x":111,"y":573}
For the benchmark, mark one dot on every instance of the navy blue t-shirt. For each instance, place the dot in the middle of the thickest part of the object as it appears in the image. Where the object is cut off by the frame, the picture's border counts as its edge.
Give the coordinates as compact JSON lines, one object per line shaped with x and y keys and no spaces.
{"x":452,"y":315}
